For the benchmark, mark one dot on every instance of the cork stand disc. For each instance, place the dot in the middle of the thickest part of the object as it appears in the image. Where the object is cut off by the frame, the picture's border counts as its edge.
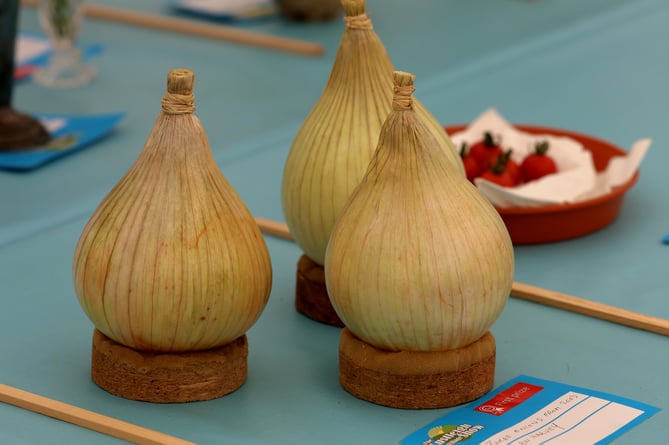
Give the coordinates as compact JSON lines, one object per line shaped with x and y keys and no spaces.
{"x":168,"y":377}
{"x":416,"y":380}
{"x":311,"y":295}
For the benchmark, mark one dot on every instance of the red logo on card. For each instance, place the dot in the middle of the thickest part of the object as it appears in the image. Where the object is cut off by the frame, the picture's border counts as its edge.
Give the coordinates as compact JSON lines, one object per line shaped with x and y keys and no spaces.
{"x":507,"y":399}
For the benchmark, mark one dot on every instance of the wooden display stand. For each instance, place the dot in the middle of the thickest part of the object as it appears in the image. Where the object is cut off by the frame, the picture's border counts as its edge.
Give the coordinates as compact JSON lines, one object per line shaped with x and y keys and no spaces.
{"x":416,"y":380}
{"x":168,"y":377}
{"x":311,"y":294}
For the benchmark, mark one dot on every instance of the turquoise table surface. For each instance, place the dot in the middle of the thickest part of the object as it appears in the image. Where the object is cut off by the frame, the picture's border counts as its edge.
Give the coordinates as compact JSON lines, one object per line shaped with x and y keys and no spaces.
{"x":599,"y":67}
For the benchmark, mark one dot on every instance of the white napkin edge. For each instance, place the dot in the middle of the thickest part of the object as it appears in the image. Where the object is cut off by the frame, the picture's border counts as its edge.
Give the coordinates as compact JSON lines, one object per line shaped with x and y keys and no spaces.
{"x":619,"y":170}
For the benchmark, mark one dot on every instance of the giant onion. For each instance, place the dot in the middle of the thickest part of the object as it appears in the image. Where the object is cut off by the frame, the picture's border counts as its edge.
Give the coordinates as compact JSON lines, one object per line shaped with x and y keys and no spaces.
{"x":418,"y":260}
{"x":334,"y":145}
{"x":172,"y":260}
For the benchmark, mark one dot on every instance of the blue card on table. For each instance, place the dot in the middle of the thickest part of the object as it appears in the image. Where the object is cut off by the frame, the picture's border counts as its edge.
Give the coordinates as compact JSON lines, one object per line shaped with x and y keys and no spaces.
{"x":68,"y":135}
{"x":528,"y":411}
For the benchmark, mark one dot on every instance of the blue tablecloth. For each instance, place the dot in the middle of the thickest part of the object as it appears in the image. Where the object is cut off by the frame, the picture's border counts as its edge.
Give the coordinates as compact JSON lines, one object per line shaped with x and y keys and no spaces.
{"x":599,"y":67}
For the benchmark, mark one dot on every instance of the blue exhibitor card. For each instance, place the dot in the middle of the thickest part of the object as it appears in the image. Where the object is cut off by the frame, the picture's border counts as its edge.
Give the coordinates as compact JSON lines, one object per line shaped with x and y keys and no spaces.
{"x":69,"y":135}
{"x":528,"y":411}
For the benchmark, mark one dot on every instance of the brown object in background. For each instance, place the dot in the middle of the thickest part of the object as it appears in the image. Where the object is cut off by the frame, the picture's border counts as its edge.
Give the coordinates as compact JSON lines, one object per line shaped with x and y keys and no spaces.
{"x":310,"y":10}
{"x":168,"y":377}
{"x":416,"y":380}
{"x":19,"y":131}
{"x":311,"y":294}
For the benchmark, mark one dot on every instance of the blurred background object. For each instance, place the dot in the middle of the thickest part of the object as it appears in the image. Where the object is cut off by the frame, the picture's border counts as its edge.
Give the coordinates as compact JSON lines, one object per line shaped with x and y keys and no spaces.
{"x":61,"y":20}
{"x":309,"y":10}
{"x":18,"y":131}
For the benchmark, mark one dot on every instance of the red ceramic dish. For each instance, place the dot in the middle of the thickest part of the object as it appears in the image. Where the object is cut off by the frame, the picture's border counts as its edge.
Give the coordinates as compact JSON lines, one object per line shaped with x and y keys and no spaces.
{"x":534,"y":225}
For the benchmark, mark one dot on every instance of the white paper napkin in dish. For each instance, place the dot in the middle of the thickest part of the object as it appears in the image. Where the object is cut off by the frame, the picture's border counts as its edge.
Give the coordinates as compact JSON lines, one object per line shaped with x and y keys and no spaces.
{"x":576,"y":179}
{"x":619,"y":170}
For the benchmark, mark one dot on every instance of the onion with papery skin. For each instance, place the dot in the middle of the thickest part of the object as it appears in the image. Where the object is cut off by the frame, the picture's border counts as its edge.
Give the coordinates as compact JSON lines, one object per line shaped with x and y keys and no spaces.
{"x":333,"y":147}
{"x":172,"y":260}
{"x":418,"y":260}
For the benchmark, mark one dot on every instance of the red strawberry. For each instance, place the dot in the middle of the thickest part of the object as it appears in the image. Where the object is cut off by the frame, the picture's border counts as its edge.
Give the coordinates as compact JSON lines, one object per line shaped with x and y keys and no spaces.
{"x":472,"y":167}
{"x":486,"y":151}
{"x":538,"y":164}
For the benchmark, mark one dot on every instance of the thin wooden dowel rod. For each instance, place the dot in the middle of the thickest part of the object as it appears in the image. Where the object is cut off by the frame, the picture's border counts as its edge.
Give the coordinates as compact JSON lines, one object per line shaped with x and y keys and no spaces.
{"x":198,"y":29}
{"x":274,"y":228}
{"x":541,"y":296}
{"x":590,"y":308}
{"x":87,"y":419}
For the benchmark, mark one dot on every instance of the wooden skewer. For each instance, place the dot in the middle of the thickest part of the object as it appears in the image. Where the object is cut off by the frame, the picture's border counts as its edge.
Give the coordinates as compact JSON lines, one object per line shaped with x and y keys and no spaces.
{"x":274,"y":228}
{"x":590,"y":308}
{"x":87,"y":419}
{"x":198,"y":29}
{"x":541,"y":296}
